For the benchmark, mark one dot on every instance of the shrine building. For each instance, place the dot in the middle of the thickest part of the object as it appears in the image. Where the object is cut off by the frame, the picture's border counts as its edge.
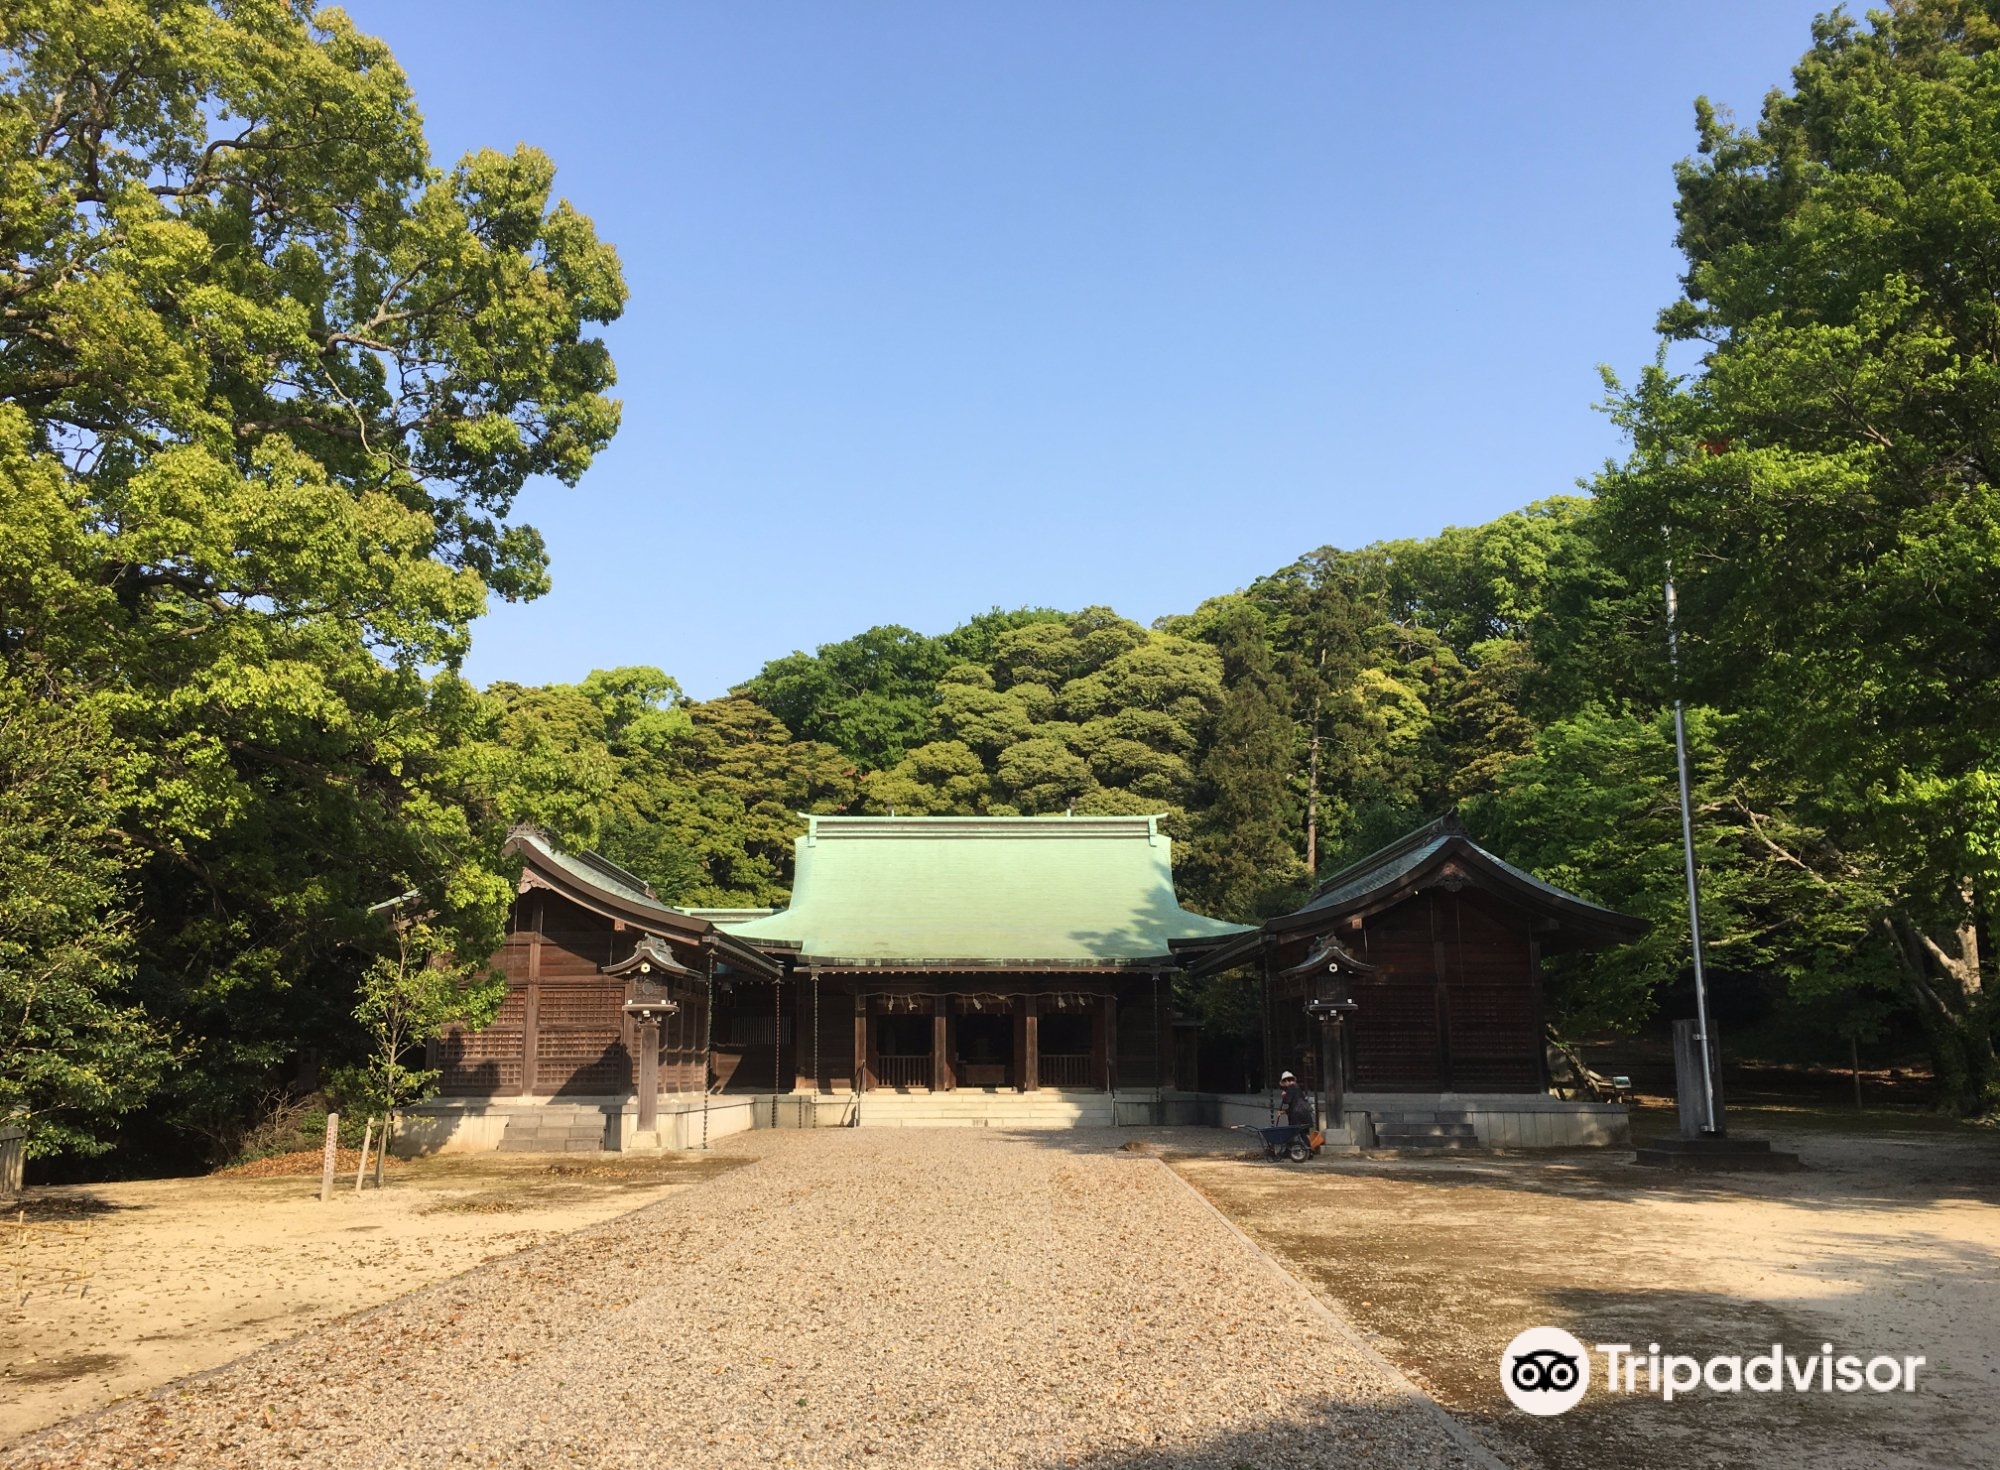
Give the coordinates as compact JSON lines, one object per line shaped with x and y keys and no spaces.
{"x":1006,"y":972}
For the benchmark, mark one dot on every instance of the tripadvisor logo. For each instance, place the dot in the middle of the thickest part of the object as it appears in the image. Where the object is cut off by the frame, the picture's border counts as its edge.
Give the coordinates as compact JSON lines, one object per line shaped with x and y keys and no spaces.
{"x":1545,"y":1371}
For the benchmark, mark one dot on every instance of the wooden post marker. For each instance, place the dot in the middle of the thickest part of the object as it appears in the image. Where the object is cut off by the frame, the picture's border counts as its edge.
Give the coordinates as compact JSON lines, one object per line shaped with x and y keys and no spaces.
{"x":326,"y":1163}
{"x":649,"y":1074}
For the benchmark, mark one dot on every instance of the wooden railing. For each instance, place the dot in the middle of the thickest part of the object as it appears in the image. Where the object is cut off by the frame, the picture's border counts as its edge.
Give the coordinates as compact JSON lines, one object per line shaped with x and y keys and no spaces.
{"x":1062,"y":1070}
{"x":903,"y":1071}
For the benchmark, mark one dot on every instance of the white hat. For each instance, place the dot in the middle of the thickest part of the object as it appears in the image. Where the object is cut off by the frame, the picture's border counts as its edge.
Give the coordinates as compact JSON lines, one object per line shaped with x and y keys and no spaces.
{"x":1287,"y":1077}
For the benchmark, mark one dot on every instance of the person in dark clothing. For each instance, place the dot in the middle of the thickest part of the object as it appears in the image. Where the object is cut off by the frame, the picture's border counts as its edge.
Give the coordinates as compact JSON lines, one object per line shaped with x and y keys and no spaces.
{"x":1293,"y":1103}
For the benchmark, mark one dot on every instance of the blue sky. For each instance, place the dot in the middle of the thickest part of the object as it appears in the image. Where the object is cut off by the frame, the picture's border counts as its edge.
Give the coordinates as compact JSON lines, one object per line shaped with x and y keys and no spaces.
{"x":938,"y":307}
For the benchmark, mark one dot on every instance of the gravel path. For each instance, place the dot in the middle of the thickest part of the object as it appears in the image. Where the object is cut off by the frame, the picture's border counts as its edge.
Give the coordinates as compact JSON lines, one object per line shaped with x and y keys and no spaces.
{"x":896,"y":1298}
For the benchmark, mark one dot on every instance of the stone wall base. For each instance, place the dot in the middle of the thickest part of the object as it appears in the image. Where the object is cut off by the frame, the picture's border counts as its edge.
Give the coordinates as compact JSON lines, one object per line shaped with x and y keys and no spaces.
{"x":1501,"y":1120}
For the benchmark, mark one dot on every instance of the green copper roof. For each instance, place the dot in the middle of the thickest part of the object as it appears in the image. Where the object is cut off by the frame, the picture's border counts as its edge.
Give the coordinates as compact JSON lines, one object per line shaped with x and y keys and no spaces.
{"x":983,"y":890}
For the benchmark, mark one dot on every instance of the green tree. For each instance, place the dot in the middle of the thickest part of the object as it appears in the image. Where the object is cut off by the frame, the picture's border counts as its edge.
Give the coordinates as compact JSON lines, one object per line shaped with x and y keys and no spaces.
{"x":870,"y":696}
{"x":412,"y":992}
{"x":1086,"y":711}
{"x":700,"y":800}
{"x":1596,"y":809}
{"x":1828,"y":474}
{"x":277,"y":380}
{"x":741,"y":782}
{"x":75,"y":1053}
{"x":1242,"y":863}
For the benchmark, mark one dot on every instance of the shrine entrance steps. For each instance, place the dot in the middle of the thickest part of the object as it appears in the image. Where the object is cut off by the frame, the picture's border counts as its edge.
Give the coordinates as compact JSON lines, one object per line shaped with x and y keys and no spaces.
{"x":555,"y":1128}
{"x":1434,"y":1131}
{"x":969,"y":1108}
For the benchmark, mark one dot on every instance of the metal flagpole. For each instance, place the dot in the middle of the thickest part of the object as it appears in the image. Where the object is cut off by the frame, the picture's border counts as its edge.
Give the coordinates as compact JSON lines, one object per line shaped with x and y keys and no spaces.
{"x":1687,"y":849}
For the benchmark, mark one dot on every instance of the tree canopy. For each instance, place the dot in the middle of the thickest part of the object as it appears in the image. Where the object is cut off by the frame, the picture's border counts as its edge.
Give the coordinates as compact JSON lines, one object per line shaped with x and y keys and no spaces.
{"x":1825,"y":483}
{"x":270,"y":384}
{"x":271,"y":380}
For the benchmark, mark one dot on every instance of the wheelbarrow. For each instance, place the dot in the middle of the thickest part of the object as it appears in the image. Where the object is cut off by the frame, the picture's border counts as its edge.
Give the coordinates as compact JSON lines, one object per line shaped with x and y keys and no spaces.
{"x":1295,"y":1141}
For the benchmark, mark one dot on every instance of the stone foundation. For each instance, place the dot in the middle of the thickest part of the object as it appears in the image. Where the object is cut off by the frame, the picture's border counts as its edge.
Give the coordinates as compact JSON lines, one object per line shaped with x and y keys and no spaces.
{"x":478,"y":1125}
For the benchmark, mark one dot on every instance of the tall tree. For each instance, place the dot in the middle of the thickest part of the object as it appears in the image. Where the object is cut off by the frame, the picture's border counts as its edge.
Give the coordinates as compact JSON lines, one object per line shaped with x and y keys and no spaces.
{"x":1322,"y":625}
{"x":871,"y":696}
{"x":75,"y":1054}
{"x":280,"y":381}
{"x":1242,"y":863}
{"x":1830,"y":477}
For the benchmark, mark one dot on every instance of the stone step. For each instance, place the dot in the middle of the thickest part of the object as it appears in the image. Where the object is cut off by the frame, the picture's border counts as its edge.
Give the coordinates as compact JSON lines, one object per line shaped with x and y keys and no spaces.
{"x":1453,"y":1145}
{"x":993,"y":1099}
{"x":554,"y":1130}
{"x":981,"y":1113}
{"x":542,"y":1146}
{"x":1426,"y":1130}
{"x":1423,"y":1117}
{"x":987,"y":1111}
{"x":913,"y":1116}
{"x":969,"y":1113}
{"x":946,"y":1105}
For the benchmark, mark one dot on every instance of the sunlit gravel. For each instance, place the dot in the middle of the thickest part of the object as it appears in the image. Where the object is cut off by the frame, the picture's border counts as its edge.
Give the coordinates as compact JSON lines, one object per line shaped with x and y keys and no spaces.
{"x":878,"y":1298}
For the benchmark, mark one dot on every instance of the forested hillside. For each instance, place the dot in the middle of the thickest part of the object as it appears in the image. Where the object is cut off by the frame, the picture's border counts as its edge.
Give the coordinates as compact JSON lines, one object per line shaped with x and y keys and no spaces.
{"x":267,"y":397}
{"x":1504,"y":670}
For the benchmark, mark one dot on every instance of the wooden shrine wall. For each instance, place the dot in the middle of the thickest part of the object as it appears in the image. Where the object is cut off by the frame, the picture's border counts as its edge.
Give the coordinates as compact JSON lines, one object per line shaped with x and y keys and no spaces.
{"x":561,"y":1031}
{"x":1454,"y":1003}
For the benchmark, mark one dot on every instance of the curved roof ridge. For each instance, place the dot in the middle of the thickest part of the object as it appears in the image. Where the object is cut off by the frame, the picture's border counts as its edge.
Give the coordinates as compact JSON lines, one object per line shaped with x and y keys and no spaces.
{"x":930,"y":889}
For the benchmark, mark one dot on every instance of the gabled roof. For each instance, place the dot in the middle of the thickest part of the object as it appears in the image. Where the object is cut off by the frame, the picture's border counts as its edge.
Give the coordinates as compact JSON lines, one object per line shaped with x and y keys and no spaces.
{"x":983,"y":892}
{"x":600,"y":885}
{"x":652,"y":958}
{"x":1444,"y":854}
{"x":1441,"y":854}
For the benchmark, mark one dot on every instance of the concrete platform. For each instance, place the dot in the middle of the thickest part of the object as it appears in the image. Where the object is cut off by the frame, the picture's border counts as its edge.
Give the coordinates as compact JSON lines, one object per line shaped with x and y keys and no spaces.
{"x":977,"y":1108}
{"x":688,"y":1121}
{"x":1723,"y":1155}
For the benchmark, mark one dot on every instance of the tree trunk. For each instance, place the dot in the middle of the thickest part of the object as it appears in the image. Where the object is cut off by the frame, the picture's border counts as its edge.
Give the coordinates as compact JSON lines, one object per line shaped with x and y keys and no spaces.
{"x":1947,"y":989}
{"x":1312,"y":781}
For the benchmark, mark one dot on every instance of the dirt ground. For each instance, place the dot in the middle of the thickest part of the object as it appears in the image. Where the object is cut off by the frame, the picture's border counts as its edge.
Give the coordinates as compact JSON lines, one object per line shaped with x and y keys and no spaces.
{"x":111,"y":1289}
{"x":1887,"y":1243}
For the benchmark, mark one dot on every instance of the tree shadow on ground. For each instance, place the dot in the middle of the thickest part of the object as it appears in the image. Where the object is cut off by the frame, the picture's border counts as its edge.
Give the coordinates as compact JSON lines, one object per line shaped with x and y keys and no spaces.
{"x":1443,"y":1266}
{"x":72,"y":1204}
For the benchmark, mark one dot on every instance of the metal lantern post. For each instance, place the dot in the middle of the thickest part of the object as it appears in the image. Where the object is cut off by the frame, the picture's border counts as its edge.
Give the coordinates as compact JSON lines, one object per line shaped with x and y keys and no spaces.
{"x":1332,"y":1015}
{"x":648,"y":970}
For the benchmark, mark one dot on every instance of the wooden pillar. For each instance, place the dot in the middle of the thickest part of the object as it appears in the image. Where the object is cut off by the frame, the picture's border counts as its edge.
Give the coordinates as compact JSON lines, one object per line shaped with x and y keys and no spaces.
{"x":802,"y":1040}
{"x":1100,"y":1069}
{"x":863,"y":1048}
{"x":777,"y":1043}
{"x":1443,"y":997}
{"x":648,"y":1042}
{"x":531,"y":1005}
{"x":1031,"y":1042}
{"x":1017,"y":1010}
{"x":1111,"y":1042}
{"x":940,"y":1060}
{"x":1269,"y":1072}
{"x":1163,"y":1024}
{"x":1541,"y":1020}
